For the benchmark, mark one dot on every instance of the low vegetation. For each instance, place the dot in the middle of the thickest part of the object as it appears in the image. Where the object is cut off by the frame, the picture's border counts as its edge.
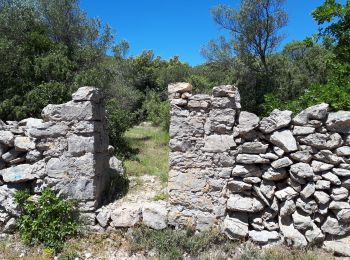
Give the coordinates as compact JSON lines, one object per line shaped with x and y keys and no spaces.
{"x":161,"y":244}
{"x":150,"y":146}
{"x":46,"y":220}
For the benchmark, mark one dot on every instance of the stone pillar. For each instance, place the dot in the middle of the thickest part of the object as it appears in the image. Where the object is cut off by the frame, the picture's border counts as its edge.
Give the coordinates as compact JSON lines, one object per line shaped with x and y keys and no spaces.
{"x":201,"y":159}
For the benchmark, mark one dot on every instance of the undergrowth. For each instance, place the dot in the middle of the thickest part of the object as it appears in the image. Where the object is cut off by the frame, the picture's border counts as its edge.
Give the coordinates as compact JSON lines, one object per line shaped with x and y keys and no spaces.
{"x":46,"y":220}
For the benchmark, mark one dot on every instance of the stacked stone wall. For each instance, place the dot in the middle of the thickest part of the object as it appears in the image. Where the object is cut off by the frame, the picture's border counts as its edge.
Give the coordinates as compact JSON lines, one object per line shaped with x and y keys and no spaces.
{"x":279,"y":178}
{"x":66,"y":150}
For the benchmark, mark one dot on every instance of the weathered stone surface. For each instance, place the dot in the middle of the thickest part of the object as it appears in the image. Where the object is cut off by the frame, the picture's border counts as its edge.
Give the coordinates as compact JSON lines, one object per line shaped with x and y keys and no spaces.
{"x":301,"y":156}
{"x":323,"y":185}
{"x":238,"y":186}
{"x":276,"y":120}
{"x":332,"y":178}
{"x":20,"y":173}
{"x":339,"y":122}
{"x":314,"y":235}
{"x":328,"y":157}
{"x":247,"y":122}
{"x":264,"y":236}
{"x":272,"y":174}
{"x":303,"y":130}
{"x":321,"y":197}
{"x":246,"y":171}
{"x":331,"y":226}
{"x":338,"y":247}
{"x":154,"y":215}
{"x":10,"y":155}
{"x":308,"y":190}
{"x":103,"y":217}
{"x":288,"y":207}
{"x":281,"y":163}
{"x":322,"y":141}
{"x":302,"y":170}
{"x":286,"y":194}
{"x":284,"y":140}
{"x":267,"y":188}
{"x":339,"y":193}
{"x":7,"y":138}
{"x":237,"y":202}
{"x":254,"y":148}
{"x":301,"y":222}
{"x":236,"y":227}
{"x":251,"y":159}
{"x":180,"y":87}
{"x":309,"y":206}
{"x":48,"y":129}
{"x":23,"y":143}
{"x":218,"y":143}
{"x":318,"y":112}
{"x":320,"y":166}
{"x":339,"y":205}
{"x":291,"y":235}
{"x":343,"y":151}
{"x":126,"y":215}
{"x":88,"y":94}
{"x":341,"y":172}
{"x":343,"y":215}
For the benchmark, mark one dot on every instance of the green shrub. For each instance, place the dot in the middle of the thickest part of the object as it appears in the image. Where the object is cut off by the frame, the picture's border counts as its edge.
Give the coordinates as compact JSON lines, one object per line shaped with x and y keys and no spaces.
{"x":158,"y":111}
{"x":47,"y":220}
{"x":337,"y":96}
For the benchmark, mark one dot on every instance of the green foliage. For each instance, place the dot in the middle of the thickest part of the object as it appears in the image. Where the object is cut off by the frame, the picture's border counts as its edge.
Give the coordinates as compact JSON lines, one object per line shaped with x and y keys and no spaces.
{"x":172,"y":244}
{"x":161,"y":196}
{"x":158,"y":112}
{"x":119,"y":120}
{"x":338,"y":97}
{"x":47,"y":220}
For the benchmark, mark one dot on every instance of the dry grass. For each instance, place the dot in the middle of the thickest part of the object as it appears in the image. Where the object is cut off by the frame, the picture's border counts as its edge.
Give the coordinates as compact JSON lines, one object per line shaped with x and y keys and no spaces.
{"x":152,"y":156}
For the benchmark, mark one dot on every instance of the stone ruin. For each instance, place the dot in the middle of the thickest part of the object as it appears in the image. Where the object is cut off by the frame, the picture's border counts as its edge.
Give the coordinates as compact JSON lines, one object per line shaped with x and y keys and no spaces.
{"x":279,"y":178}
{"x":66,"y":150}
{"x":276,"y":179}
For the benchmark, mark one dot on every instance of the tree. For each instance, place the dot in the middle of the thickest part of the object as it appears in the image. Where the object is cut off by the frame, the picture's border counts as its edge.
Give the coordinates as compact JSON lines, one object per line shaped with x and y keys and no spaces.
{"x":255,"y":35}
{"x":254,"y":29}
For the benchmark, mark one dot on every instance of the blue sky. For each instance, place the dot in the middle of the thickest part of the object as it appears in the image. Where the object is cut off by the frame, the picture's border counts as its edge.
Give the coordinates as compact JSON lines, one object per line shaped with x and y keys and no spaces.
{"x":181,"y":27}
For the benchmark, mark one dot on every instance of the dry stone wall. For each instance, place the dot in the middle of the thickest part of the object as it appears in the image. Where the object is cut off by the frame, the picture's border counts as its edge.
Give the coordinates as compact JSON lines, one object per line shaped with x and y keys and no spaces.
{"x":67,"y":150}
{"x":279,"y":178}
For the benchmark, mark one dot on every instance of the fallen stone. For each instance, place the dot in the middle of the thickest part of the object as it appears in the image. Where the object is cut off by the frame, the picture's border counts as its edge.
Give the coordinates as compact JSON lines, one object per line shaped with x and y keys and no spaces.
{"x":314,"y":235}
{"x":126,"y":215}
{"x":103,"y":217}
{"x":154,"y":215}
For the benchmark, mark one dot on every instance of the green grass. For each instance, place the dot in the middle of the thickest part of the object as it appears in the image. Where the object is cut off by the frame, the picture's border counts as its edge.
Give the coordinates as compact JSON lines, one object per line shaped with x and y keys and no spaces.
{"x":151,"y":146}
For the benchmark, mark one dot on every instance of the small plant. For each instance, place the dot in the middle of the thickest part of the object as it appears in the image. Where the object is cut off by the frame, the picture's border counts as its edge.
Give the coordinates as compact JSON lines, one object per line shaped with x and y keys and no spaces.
{"x":161,"y":196}
{"x":47,"y":220}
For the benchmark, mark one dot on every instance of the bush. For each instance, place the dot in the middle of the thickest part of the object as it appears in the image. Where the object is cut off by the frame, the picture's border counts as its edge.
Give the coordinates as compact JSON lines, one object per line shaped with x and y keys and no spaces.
{"x":158,"y":111}
{"x":338,"y":97}
{"x":48,"y":220}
